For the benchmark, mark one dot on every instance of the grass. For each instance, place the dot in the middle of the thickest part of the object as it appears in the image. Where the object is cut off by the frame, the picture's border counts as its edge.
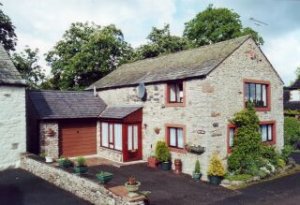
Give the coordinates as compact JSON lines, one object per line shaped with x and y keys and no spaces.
{"x":239,"y":177}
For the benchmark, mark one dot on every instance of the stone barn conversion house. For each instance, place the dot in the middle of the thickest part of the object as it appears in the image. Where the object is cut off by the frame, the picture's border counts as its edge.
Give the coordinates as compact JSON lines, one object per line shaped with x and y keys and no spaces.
{"x":183,"y":98}
{"x":12,"y":115}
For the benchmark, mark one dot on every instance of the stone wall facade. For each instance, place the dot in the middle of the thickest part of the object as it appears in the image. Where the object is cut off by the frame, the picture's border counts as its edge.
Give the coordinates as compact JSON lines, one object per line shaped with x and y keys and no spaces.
{"x":12,"y":125}
{"x":210,"y":103}
{"x":84,"y":188}
{"x":49,"y":138}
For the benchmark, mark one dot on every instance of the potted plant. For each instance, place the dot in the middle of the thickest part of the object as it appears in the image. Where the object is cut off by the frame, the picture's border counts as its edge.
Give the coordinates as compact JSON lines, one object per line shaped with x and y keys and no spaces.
{"x":197,"y":171}
{"x":48,"y":159}
{"x":152,"y":160}
{"x":81,"y":167}
{"x":104,"y":177}
{"x":132,"y":186}
{"x":216,"y":170}
{"x":163,"y":155}
{"x":64,"y":162}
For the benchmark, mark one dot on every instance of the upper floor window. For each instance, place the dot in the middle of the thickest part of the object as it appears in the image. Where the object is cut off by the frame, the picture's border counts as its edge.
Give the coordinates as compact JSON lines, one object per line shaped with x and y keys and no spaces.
{"x":295,"y":95}
{"x":175,"y":92}
{"x":258,"y":94}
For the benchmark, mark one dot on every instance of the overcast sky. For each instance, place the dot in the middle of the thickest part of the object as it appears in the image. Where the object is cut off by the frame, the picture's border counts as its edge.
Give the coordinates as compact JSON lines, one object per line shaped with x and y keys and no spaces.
{"x":41,"y":23}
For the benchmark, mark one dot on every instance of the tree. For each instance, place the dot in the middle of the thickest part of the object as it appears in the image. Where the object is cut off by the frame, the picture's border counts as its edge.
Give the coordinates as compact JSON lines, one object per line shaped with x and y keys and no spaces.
{"x":26,"y":63}
{"x":217,"y":24}
{"x":86,"y":53}
{"x":161,"y":42}
{"x":8,"y":38}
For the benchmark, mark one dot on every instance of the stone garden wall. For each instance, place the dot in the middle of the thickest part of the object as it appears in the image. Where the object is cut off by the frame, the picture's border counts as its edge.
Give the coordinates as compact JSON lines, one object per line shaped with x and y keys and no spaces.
{"x":79,"y":186}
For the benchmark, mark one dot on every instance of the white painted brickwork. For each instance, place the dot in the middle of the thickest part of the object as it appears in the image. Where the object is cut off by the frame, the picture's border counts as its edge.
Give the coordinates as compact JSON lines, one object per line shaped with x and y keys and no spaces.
{"x":12,"y":125}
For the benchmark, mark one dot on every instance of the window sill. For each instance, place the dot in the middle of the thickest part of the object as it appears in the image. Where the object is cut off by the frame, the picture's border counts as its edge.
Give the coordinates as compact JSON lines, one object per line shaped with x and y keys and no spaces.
{"x":263,"y":109}
{"x":175,"y":104}
{"x":178,"y":150}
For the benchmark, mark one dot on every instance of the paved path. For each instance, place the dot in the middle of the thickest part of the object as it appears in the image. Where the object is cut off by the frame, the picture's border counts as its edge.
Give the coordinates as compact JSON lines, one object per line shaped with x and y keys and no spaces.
{"x":18,"y":187}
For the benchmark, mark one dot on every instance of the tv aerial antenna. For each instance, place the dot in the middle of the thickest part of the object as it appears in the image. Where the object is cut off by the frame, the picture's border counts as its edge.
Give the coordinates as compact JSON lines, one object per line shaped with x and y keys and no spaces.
{"x":258,"y":22}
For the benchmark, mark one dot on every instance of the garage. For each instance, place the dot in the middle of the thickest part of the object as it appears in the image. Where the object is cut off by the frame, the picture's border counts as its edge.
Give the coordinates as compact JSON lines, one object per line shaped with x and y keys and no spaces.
{"x":63,"y":123}
{"x":78,"y":138}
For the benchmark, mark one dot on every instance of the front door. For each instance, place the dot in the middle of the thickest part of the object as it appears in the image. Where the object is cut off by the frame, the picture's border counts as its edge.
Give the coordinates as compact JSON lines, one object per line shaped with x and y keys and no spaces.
{"x":133,"y":145}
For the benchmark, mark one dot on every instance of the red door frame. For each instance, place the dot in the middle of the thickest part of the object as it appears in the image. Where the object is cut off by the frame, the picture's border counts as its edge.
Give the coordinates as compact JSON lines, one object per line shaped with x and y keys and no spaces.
{"x":126,"y":153}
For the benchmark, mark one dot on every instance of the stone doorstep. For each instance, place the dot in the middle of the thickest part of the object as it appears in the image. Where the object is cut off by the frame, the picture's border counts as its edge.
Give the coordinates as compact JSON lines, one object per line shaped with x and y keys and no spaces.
{"x":122,"y":191}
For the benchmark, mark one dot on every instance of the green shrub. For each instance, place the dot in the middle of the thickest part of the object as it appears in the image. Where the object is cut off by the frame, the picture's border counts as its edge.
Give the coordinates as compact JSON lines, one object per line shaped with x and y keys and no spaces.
{"x":286,"y":152}
{"x":216,"y":167}
{"x":262,"y":174}
{"x":269,"y":152}
{"x":291,"y":130}
{"x":239,"y":177}
{"x":162,"y":152}
{"x":247,"y":142}
{"x":197,"y":167}
{"x":281,"y":163}
{"x":81,"y":162}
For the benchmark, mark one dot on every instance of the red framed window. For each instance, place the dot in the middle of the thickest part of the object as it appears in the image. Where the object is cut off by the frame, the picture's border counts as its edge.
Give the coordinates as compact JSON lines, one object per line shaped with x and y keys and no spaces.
{"x":175,"y":137}
{"x":111,"y":135}
{"x":175,"y":95}
{"x":257,"y":92}
{"x":132,"y":137}
{"x":267,"y":131}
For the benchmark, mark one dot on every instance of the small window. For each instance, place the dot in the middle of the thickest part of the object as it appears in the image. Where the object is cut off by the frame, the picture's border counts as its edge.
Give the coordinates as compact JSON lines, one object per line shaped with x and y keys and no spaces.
{"x":231,"y":137}
{"x":257,"y":93}
{"x":111,"y":135}
{"x":176,"y":137}
{"x":295,"y":95}
{"x":266,"y":132}
{"x":175,"y":92}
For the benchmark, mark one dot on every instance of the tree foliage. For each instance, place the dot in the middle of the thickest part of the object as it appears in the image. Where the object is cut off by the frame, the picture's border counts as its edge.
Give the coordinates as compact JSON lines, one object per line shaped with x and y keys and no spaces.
{"x":86,"y":53}
{"x":291,"y":131}
{"x":26,"y":63}
{"x":161,"y":42}
{"x":217,"y":24}
{"x":8,"y":38}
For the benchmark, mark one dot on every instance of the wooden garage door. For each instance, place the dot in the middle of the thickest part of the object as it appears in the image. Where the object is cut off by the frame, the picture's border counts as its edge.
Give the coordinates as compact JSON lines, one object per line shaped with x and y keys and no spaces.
{"x":78,"y":138}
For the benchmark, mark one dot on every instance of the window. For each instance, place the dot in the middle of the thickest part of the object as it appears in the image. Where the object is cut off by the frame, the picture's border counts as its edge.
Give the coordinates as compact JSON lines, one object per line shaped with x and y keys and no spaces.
{"x":175,"y":93}
{"x":295,"y":95}
{"x":132,"y":132}
{"x":266,"y":131}
{"x":111,"y":135}
{"x":231,"y":137}
{"x":176,"y":137}
{"x":257,"y":93}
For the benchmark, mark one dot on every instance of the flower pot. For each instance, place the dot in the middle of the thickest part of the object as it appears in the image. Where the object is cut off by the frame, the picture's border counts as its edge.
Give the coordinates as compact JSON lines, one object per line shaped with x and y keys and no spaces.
{"x":132,"y":187}
{"x":178,"y":166}
{"x":80,"y":170}
{"x":215,"y":180}
{"x":63,"y":163}
{"x":152,"y":162}
{"x":104,"y":177}
{"x":197,"y":176}
{"x":166,"y":166}
{"x":48,"y":159}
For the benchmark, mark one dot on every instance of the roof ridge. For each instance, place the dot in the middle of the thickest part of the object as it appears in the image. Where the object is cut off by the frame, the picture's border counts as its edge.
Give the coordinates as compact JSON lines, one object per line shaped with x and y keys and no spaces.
{"x":191,"y":49}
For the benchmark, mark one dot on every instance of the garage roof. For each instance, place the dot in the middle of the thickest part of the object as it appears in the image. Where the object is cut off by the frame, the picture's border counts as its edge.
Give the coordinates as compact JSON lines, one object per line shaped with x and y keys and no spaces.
{"x":66,"y":104}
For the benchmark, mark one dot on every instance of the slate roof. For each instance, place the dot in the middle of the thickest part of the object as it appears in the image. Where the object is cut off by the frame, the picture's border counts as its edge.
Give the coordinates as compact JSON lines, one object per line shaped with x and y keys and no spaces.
{"x":181,"y":65}
{"x":66,"y":104}
{"x":118,"y":112}
{"x":289,"y":105}
{"x":295,"y":85}
{"x":9,"y":75}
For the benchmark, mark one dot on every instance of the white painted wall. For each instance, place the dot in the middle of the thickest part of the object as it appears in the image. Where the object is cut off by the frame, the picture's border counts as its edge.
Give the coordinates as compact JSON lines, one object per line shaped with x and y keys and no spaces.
{"x":12,"y":125}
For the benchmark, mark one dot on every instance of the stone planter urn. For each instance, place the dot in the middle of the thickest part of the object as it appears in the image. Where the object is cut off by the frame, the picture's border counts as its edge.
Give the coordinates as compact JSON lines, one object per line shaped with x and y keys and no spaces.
{"x":132,"y":186}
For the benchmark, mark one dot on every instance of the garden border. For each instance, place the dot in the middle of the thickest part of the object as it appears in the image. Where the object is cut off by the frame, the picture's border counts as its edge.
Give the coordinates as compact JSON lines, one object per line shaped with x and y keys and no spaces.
{"x":81,"y":187}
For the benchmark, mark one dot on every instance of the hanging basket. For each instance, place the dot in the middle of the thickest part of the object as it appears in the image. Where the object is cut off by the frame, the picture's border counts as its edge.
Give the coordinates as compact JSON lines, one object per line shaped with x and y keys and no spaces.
{"x":195,"y":149}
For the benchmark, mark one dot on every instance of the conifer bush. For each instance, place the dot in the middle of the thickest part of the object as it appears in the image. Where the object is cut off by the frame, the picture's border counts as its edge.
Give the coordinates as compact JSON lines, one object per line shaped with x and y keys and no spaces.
{"x":216,"y":167}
